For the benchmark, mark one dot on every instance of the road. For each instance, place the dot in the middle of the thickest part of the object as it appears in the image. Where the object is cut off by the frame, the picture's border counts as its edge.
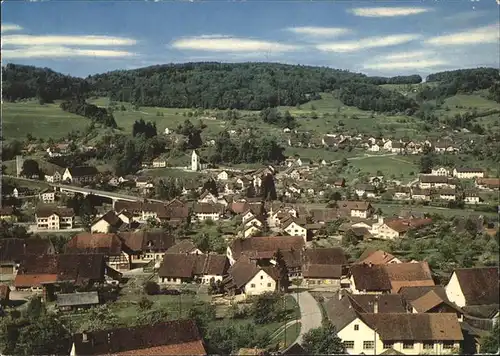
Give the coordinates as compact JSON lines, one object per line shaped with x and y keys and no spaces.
{"x":88,"y":190}
{"x":310,"y":313}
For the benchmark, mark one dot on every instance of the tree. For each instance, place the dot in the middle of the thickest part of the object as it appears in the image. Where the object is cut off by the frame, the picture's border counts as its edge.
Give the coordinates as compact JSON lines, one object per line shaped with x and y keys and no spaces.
{"x":46,"y":335}
{"x":152,"y":316}
{"x":230,"y":338}
{"x":427,"y":162}
{"x":203,"y":314}
{"x":30,"y":169}
{"x":99,"y":318}
{"x":35,"y":308}
{"x":283,"y":271}
{"x":145,"y":304}
{"x":323,"y":341}
{"x":266,"y":308}
{"x":151,"y":288}
{"x":349,"y":239}
{"x":269,"y":188}
{"x":489,"y":344}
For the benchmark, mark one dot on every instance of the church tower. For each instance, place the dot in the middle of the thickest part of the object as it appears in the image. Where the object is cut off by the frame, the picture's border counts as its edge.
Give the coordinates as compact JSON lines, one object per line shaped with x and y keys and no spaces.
{"x":195,"y":162}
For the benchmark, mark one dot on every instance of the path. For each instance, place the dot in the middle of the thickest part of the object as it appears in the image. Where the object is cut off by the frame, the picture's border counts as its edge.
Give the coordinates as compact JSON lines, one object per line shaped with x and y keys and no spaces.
{"x":310,"y":313}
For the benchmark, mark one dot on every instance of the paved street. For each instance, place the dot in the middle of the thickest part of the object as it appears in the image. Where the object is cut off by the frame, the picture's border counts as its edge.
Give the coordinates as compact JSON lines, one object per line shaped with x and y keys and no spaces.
{"x":310,"y":313}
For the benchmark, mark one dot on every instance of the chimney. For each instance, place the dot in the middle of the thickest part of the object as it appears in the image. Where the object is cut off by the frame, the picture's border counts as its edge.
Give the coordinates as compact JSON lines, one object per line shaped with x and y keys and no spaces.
{"x":370,"y":264}
{"x":375,"y":305}
{"x":85,"y":337}
{"x":381,"y":220}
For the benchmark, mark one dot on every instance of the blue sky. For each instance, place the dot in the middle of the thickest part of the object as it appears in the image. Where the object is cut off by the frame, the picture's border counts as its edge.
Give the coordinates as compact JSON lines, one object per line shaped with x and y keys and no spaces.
{"x":373,"y":37}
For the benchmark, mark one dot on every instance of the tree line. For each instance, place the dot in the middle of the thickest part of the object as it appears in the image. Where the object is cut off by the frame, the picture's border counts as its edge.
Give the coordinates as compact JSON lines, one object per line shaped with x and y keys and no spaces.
{"x":80,"y":107}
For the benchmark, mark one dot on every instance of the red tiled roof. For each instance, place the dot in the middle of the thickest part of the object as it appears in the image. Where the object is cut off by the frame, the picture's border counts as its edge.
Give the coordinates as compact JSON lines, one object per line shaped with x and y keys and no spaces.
{"x":33,"y":280}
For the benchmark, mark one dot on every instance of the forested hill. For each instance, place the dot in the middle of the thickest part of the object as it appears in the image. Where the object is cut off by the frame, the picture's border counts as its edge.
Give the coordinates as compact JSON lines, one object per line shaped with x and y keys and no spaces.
{"x":252,"y":86}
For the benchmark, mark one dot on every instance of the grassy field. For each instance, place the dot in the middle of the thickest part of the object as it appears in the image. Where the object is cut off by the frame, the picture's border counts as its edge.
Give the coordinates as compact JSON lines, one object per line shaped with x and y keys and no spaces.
{"x":170,"y":172}
{"x":394,"y":209}
{"x":401,"y":167}
{"x":47,"y":167}
{"x":45,"y":121}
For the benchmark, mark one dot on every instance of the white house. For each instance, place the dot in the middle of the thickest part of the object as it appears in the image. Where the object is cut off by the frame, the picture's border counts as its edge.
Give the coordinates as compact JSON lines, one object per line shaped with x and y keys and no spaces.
{"x":223,"y":176}
{"x":108,"y":223}
{"x":247,"y":278}
{"x":47,"y":196}
{"x":54,"y":218}
{"x":471,"y":197}
{"x":54,"y":178}
{"x":440,"y":171}
{"x":186,"y":268}
{"x":462,"y":289}
{"x":206,"y":211}
{"x":167,"y":131}
{"x":81,"y":174}
{"x":159,"y":162}
{"x":374,"y":148}
{"x":207,"y":197}
{"x":468,"y":173}
{"x":294,"y":229}
{"x":250,"y":230}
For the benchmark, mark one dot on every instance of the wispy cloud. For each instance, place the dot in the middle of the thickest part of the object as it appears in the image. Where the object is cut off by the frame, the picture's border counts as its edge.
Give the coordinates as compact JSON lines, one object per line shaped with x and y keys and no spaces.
{"x":486,"y":34}
{"x":364,"y":43}
{"x":387,"y":11}
{"x":230,"y":44}
{"x":422,"y":64}
{"x":319,"y":31}
{"x":49,"y":40}
{"x":10,"y":27}
{"x":406,"y":55}
{"x":412,"y":60}
{"x":61,"y":52}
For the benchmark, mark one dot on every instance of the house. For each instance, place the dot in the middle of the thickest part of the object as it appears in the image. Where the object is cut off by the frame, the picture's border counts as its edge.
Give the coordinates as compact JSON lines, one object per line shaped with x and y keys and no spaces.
{"x":207,"y":197}
{"x":263,"y":247}
{"x":72,"y":301}
{"x":293,"y":228}
{"x":143,"y":182}
{"x":380,"y":279}
{"x":429,"y":181}
{"x":471,"y":197}
{"x":186,"y":268}
{"x":144,"y":247}
{"x":45,"y":272}
{"x":159,"y":162}
{"x":206,"y":211}
{"x":421,"y":194}
{"x":397,"y":147}
{"x":339,"y":183}
{"x":174,"y":337}
{"x":387,"y":332}
{"x":440,"y":171}
{"x":223,"y":176}
{"x":374,"y":148}
{"x":12,"y":251}
{"x":402,"y":193}
{"x":143,"y":211}
{"x":488,"y":183}
{"x":80,"y":174}
{"x":323,"y":267}
{"x":357,"y":209}
{"x":247,"y":278}
{"x":376,"y":257}
{"x":185,"y":247}
{"x":368,"y":189}
{"x":473,"y":287}
{"x":250,"y":230}
{"x":430,"y":299}
{"x":444,"y":146}
{"x":396,"y":228}
{"x":47,"y":196}
{"x":55,"y":177}
{"x":110,"y":245}
{"x":7,"y":214}
{"x":468,"y":173}
{"x":54,"y":218}
{"x":109,"y":222}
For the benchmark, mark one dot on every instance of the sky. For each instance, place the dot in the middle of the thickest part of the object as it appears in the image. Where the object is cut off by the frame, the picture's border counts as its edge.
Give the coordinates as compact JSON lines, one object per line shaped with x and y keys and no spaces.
{"x":385,"y":38}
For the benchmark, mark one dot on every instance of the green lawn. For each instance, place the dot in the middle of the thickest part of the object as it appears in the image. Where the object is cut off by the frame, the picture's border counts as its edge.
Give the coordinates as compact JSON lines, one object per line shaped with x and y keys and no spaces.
{"x":171,"y":172}
{"x":42,"y":121}
{"x":391,"y":209}
{"x":318,"y":154}
{"x":401,"y":167}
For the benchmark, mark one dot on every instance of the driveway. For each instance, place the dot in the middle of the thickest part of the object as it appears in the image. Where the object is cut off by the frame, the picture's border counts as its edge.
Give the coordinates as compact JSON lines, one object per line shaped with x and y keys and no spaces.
{"x":310,"y":313}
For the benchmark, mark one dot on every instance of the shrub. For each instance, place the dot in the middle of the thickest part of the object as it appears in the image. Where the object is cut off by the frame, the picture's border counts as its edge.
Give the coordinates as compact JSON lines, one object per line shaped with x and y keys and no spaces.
{"x":151,"y":288}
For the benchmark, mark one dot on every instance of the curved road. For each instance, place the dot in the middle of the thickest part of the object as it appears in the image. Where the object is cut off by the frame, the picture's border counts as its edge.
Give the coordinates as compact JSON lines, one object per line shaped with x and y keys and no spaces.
{"x":310,"y":313}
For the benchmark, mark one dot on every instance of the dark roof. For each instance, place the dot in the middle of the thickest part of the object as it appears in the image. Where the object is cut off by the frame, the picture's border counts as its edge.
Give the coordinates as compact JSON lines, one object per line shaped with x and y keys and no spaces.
{"x":481,"y":311}
{"x":469,"y":170}
{"x":77,"y":299}
{"x":329,"y":256}
{"x":257,"y":244}
{"x":370,"y":278}
{"x":44,"y":211}
{"x":81,"y":171}
{"x":207,"y":208}
{"x":322,"y":271}
{"x":479,"y":285}
{"x":111,"y":218}
{"x":6,"y":210}
{"x":189,"y":265}
{"x":294,"y":349}
{"x":424,"y":178}
{"x":70,"y":267}
{"x":409,"y":274}
{"x":387,"y":303}
{"x":13,"y":249}
{"x":376,"y":257}
{"x":153,"y":240}
{"x":244,"y":270}
{"x":415,"y":327}
{"x":148,"y":339}
{"x":108,"y":244}
{"x":184,"y":246}
{"x":410,"y":294}
{"x":340,"y":312}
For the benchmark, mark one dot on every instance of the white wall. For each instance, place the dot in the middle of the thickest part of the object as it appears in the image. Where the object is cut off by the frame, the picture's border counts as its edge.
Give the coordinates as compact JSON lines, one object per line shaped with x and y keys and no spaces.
{"x":100,"y":227}
{"x":454,"y":291}
{"x":260,"y":283}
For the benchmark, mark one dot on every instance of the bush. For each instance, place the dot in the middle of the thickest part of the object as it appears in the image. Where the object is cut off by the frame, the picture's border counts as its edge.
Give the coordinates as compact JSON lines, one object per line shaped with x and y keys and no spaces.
{"x":151,"y":288}
{"x":145,"y":304}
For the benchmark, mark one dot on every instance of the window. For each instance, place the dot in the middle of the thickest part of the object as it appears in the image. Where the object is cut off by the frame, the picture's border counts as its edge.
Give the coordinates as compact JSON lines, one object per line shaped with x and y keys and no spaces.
{"x":269,"y":285}
{"x":368,"y":345}
{"x":356,"y":327}
{"x":448,"y":345}
{"x":388,"y":345}
{"x":428,"y":345}
{"x":349,"y":344}
{"x":252,"y":285}
{"x":408,"y":345}
{"x":261,"y":277}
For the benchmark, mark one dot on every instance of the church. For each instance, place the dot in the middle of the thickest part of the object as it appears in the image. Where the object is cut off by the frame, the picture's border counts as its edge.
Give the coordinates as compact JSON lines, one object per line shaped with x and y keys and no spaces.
{"x":197,"y":163}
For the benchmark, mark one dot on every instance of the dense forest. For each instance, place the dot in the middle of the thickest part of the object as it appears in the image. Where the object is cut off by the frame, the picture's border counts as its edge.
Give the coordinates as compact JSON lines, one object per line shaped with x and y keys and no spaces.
{"x":252,"y":86}
{"x":93,"y":112}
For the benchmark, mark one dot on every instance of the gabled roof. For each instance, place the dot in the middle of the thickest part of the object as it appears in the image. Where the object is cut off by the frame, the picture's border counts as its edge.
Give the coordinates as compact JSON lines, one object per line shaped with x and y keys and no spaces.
{"x":189,"y":265}
{"x":427,"y":178}
{"x":207,"y":208}
{"x":370,"y":278}
{"x":81,"y":171}
{"x":14,"y":249}
{"x":429,"y":301}
{"x":322,"y":271}
{"x":386,"y":303}
{"x":77,"y":299}
{"x":244,"y":270}
{"x":184,"y":246}
{"x":271,"y":244}
{"x":479,"y":285}
{"x":415,"y":327}
{"x":44,"y":211}
{"x":329,"y":256}
{"x":413,"y":293}
{"x":409,"y":274}
{"x":152,"y":240}
{"x":376,"y":257}
{"x":111,"y":218}
{"x":176,"y":337}
{"x":108,"y":244}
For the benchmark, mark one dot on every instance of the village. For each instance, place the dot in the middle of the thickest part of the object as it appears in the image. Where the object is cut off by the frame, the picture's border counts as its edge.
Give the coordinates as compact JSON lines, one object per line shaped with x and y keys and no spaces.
{"x":287,"y":230}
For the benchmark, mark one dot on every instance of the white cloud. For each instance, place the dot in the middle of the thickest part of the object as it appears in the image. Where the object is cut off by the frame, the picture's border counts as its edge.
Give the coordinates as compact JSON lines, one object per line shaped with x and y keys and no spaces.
{"x":486,"y":34}
{"x":419,"y":64}
{"x":10,"y":27}
{"x":61,"y":52}
{"x":48,"y":40}
{"x":230,"y":44}
{"x":388,"y":11}
{"x":364,"y":43}
{"x":406,"y":55}
{"x":319,"y":31}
